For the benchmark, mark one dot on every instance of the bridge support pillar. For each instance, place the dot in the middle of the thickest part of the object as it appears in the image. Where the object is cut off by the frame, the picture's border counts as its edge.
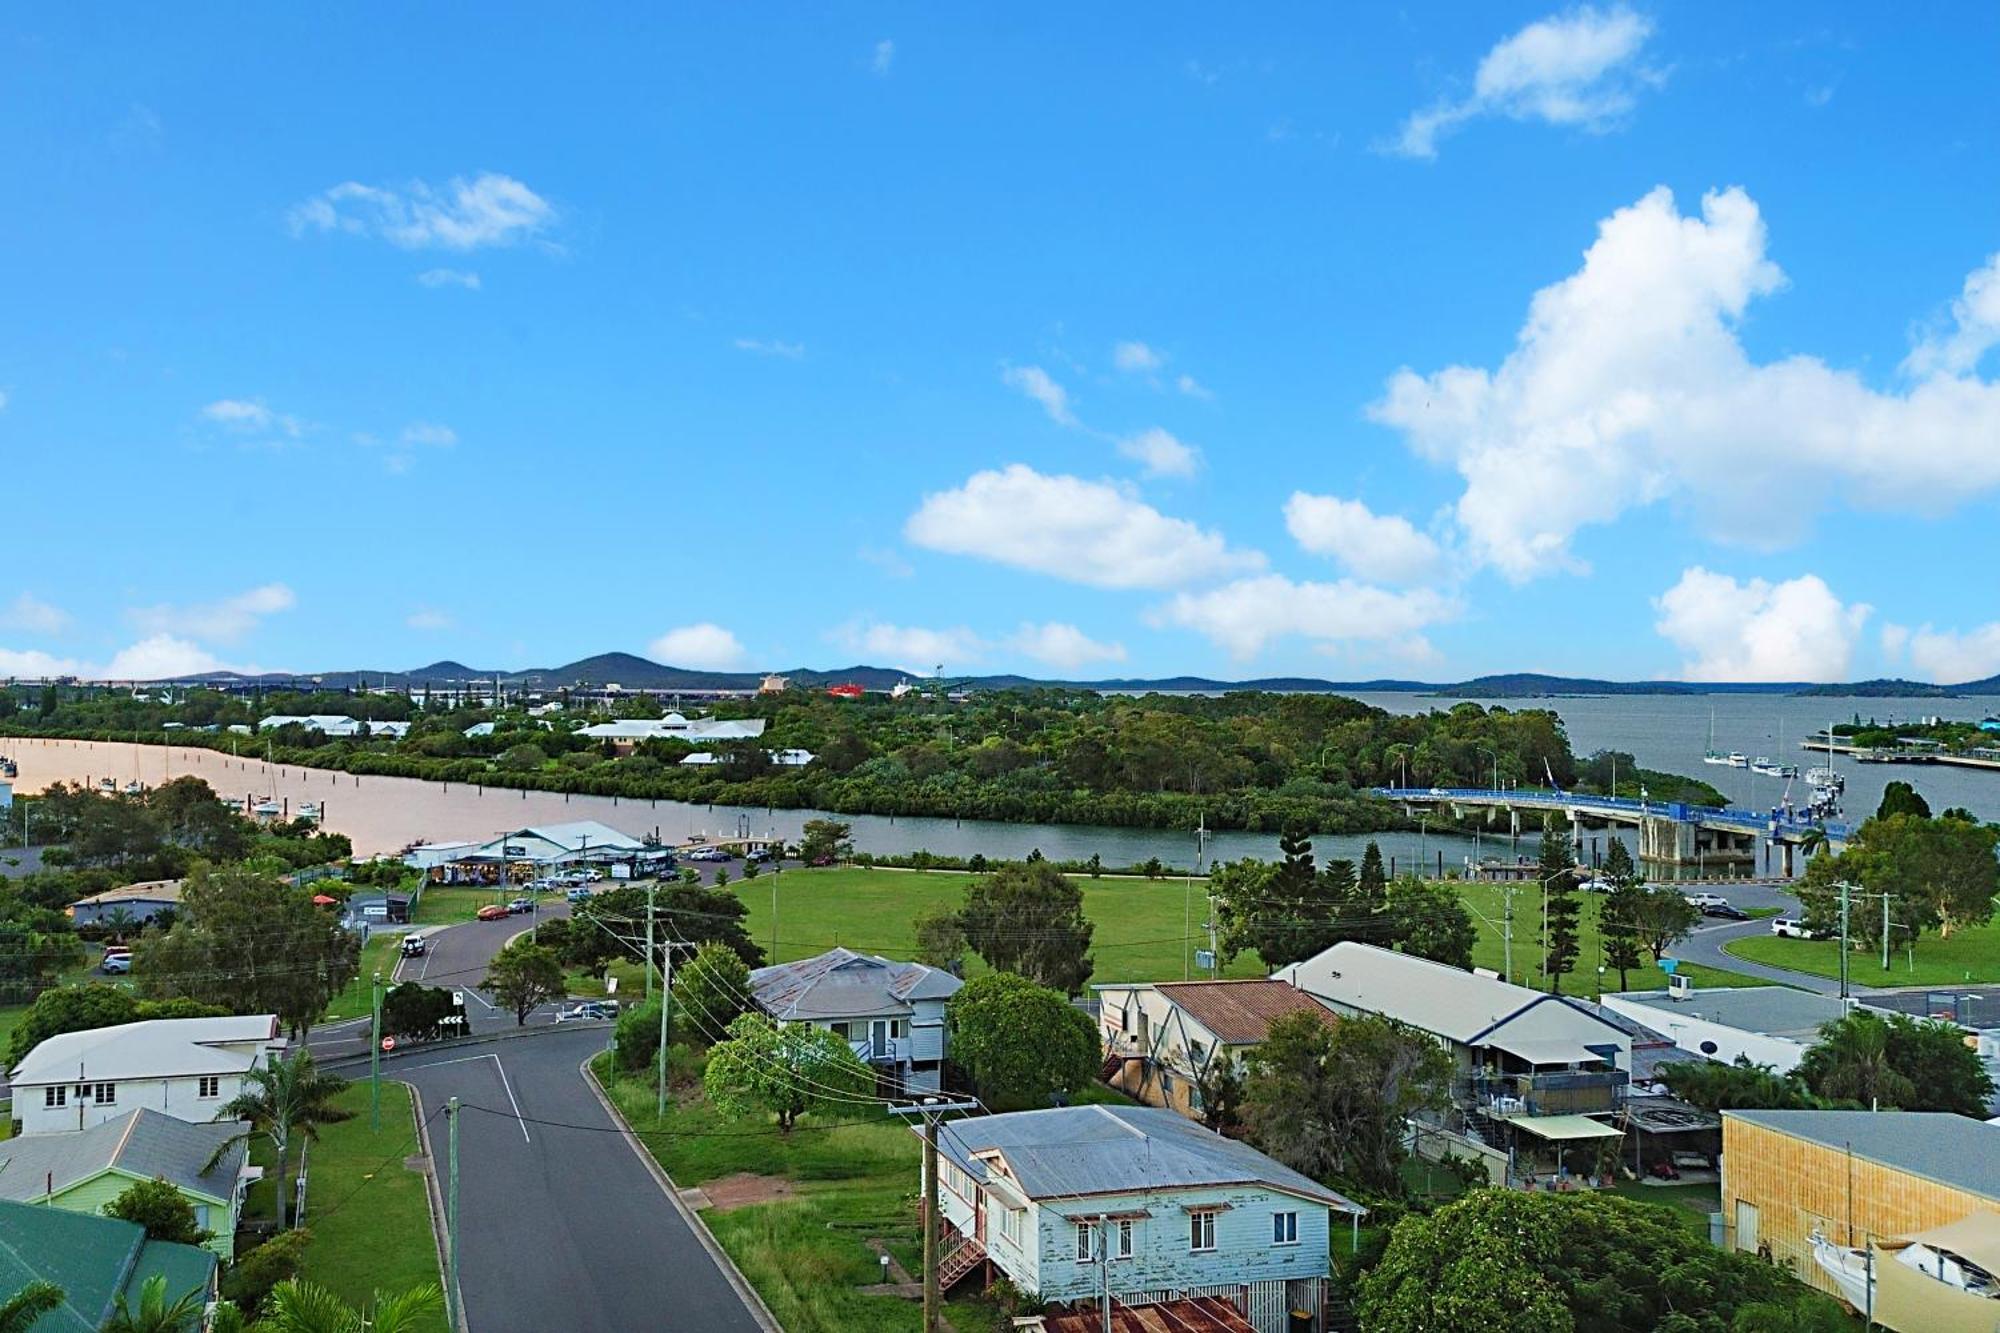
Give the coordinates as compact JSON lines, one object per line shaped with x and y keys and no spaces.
{"x":1668,"y":840}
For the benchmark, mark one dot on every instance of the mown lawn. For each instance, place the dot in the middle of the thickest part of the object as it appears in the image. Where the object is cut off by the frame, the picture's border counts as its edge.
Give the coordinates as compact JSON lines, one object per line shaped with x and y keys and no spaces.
{"x":1969,"y":956}
{"x":1141,"y":931}
{"x":370,"y":1222}
{"x":448,"y":904}
{"x":807,"y":1256}
{"x":357,"y":1001}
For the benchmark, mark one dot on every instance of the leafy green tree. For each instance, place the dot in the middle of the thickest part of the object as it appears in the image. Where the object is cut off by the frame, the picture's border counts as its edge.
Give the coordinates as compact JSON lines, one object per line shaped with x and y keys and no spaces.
{"x":155,"y":1313}
{"x":523,"y":977}
{"x":1900,"y":798}
{"x":1661,"y":915}
{"x":1432,"y":921}
{"x":1897,"y":1062}
{"x":826,"y":841}
{"x":1028,"y":919}
{"x":1561,"y":912}
{"x":1803,"y":1312}
{"x":1329,"y":1098}
{"x":162,"y":1210}
{"x":248,"y":941}
{"x":25,"y":1308}
{"x":254,"y":1275}
{"x":1022,"y":1044}
{"x":941,"y":941}
{"x":1505,"y":1261}
{"x":415,"y":1010}
{"x":783,"y":1071}
{"x":637,"y":1035}
{"x":283,"y":1100}
{"x":710,"y":990}
{"x":1741,"y":1086}
{"x":302,"y":1307}
{"x":684,"y":913}
{"x":1288,"y":912}
{"x":1220,"y":1087}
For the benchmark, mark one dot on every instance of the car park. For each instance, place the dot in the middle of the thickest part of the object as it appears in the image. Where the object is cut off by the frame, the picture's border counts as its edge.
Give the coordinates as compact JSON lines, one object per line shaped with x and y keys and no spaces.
{"x":415,"y":946}
{"x":1791,"y":928}
{"x":493,"y":912}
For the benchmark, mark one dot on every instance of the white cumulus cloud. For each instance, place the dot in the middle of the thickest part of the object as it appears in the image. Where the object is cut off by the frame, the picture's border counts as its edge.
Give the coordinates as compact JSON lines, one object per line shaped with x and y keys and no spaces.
{"x":465,"y":214}
{"x":1192,"y":387}
{"x":912,"y":648}
{"x":1161,"y":454}
{"x":1089,"y":532}
{"x":1384,"y":548}
{"x":1755,"y":630}
{"x":449,"y":277}
{"x":1136,"y":358}
{"x":32,"y":615}
{"x":1952,"y":657}
{"x":1974,"y":328}
{"x":228,"y":619}
{"x":160,"y":657}
{"x":705,"y":646}
{"x":1063,"y":646}
{"x":1628,"y":384}
{"x":1579,"y":68}
{"x":1039,"y":385}
{"x":1245,"y":616}
{"x":34,"y":664}
{"x":251,"y":416}
{"x":884,"y":58}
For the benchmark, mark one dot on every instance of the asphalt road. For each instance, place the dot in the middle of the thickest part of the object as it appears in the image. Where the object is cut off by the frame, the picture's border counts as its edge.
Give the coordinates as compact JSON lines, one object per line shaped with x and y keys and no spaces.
{"x":562,"y":1226}
{"x":1704,"y":945}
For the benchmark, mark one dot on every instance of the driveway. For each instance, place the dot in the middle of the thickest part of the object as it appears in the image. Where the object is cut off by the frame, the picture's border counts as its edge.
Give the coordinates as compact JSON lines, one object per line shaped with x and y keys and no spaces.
{"x":562,"y":1224}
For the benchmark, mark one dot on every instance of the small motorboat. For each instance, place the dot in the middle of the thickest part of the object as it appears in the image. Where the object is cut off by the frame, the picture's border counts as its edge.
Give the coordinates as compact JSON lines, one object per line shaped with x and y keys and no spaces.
{"x":1954,"y":1256}
{"x":310,"y":810}
{"x":1736,"y":759}
{"x":268,"y":808}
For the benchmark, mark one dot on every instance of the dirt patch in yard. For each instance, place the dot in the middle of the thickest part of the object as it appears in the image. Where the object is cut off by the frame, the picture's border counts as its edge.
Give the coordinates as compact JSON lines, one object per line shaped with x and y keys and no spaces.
{"x":743,"y":1189}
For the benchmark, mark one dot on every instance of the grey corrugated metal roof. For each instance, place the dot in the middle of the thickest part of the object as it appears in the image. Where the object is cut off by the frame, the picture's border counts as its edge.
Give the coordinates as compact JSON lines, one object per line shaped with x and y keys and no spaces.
{"x":1951,"y":1149}
{"x":1777,"y":1011}
{"x":150,"y":1048}
{"x":1119,"y":1150}
{"x":841,"y":983}
{"x":145,"y":1142}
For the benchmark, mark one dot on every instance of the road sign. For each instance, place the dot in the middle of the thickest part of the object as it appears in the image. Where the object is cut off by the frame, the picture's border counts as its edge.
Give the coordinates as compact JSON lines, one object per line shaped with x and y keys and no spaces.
{"x":1205,"y":958}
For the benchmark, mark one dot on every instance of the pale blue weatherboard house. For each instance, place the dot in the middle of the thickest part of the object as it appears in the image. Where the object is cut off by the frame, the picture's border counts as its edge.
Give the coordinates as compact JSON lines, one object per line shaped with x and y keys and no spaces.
{"x":1072,"y":1201}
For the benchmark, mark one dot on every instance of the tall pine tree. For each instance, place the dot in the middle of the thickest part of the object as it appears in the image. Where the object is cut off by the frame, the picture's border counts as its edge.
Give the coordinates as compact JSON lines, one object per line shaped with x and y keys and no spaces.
{"x":1371,"y":901}
{"x":1618,"y":922}
{"x":1556,"y":870}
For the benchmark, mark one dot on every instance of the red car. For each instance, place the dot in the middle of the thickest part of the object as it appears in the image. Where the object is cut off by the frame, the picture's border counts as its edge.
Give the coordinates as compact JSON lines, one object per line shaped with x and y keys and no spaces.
{"x":493,"y":912}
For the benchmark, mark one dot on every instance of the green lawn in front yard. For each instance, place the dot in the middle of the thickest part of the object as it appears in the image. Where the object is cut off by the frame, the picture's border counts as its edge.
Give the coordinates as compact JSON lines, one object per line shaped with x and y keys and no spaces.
{"x":357,"y":1001}
{"x":370,"y":1221}
{"x":856,"y":1178}
{"x":1141,"y":930}
{"x":1691,"y":1203}
{"x":448,"y":904}
{"x":1970,"y":956}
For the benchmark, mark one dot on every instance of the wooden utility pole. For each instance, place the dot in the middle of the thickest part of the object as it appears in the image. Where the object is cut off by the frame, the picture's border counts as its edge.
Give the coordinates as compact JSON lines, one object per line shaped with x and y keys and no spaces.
{"x":931,"y":1109}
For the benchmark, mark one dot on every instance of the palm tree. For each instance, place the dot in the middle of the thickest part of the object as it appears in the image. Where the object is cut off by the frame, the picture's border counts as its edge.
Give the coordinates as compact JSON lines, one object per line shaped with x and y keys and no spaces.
{"x":302,"y":1307}
{"x":119,"y":921}
{"x":155,"y":1314}
{"x":25,"y":1308}
{"x":283,"y":1099}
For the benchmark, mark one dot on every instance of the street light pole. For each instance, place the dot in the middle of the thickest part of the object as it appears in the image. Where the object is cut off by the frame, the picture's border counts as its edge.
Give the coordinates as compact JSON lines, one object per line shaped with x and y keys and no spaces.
{"x":375,"y":1059}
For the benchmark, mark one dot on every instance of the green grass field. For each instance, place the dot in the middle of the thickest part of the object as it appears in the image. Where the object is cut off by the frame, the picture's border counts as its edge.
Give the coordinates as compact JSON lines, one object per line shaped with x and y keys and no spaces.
{"x":447,"y":904}
{"x":1142,"y":932}
{"x":856,"y":1179}
{"x":370,"y":1222}
{"x":1969,"y":956}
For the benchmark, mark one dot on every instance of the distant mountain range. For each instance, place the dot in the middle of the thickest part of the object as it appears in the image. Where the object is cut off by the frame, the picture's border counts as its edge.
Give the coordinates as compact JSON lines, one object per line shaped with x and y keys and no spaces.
{"x":637,"y":673}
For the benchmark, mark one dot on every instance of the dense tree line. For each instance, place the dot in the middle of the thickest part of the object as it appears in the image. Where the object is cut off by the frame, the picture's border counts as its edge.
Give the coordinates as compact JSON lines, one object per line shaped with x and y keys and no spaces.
{"x":1246,"y":760}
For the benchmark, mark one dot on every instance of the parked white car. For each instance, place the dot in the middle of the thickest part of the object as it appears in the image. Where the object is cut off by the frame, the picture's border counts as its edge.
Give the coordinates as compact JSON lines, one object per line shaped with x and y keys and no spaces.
{"x":1791,"y":928}
{"x":1706,"y":900}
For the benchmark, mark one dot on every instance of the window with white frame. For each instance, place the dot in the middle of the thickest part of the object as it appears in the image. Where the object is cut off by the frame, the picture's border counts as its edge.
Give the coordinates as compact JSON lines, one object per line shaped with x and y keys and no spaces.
{"x":1123,"y":1239}
{"x":1201,"y":1230}
{"x":1086,"y":1243}
{"x":210,"y":1086}
{"x":1284,"y":1228}
{"x":1010,"y":1223}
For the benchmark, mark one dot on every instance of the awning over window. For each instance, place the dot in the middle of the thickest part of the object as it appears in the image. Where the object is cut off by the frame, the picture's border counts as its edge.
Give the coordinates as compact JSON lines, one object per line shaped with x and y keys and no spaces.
{"x":1567,"y":1127}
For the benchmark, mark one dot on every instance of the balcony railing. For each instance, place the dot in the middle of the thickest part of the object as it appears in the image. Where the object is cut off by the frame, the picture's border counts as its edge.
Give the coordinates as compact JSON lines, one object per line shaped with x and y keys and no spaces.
{"x":1570,"y":1092}
{"x":881,"y":1050}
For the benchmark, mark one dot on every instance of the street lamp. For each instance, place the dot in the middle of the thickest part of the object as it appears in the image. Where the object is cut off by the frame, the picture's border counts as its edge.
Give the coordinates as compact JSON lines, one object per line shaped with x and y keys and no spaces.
{"x":1496,"y":764}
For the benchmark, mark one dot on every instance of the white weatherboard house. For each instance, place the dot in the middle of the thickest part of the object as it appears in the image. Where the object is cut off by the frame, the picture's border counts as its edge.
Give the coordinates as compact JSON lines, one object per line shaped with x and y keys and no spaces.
{"x":1136,"y":1201}
{"x":891,"y":1013}
{"x":184,"y":1067}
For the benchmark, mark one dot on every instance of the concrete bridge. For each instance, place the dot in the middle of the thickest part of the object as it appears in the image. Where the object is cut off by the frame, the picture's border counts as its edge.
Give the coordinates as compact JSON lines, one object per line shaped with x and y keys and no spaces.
{"x":1670,"y":831}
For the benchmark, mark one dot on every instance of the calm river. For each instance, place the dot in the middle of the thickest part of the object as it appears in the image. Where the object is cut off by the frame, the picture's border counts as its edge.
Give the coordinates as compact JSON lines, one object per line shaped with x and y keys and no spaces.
{"x":1666,"y":732}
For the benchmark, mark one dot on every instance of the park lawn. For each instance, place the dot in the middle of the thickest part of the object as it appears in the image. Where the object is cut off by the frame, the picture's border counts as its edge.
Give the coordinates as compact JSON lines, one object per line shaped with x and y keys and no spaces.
{"x":449,"y":904}
{"x":369,"y":1218}
{"x":857,"y":1178}
{"x":629,"y":972}
{"x":1971,"y":955}
{"x":1141,"y":933}
{"x":358,"y":999}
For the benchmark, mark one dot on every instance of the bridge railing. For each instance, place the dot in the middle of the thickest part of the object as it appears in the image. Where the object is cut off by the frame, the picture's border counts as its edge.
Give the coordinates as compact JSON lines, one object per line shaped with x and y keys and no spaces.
{"x":1679,"y":811}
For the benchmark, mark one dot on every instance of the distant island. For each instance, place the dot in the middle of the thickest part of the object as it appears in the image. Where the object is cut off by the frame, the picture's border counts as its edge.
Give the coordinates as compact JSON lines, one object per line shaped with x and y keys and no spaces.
{"x":631,"y":672}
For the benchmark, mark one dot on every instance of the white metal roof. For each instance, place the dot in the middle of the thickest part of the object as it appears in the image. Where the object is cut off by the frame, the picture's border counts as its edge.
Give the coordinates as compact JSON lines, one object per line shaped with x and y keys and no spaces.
{"x":152,"y":1048}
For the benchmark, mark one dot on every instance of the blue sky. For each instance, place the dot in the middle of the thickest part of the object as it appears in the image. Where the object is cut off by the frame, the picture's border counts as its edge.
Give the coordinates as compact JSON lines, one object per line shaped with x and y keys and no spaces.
{"x":1634,"y":341}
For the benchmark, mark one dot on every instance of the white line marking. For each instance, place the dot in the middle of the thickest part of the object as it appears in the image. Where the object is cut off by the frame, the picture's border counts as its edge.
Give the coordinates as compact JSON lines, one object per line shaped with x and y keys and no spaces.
{"x":472,"y":992}
{"x":505,"y":1086}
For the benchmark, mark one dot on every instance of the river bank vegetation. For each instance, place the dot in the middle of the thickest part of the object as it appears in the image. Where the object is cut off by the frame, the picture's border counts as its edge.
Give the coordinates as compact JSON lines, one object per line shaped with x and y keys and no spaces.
{"x":1239,"y":761}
